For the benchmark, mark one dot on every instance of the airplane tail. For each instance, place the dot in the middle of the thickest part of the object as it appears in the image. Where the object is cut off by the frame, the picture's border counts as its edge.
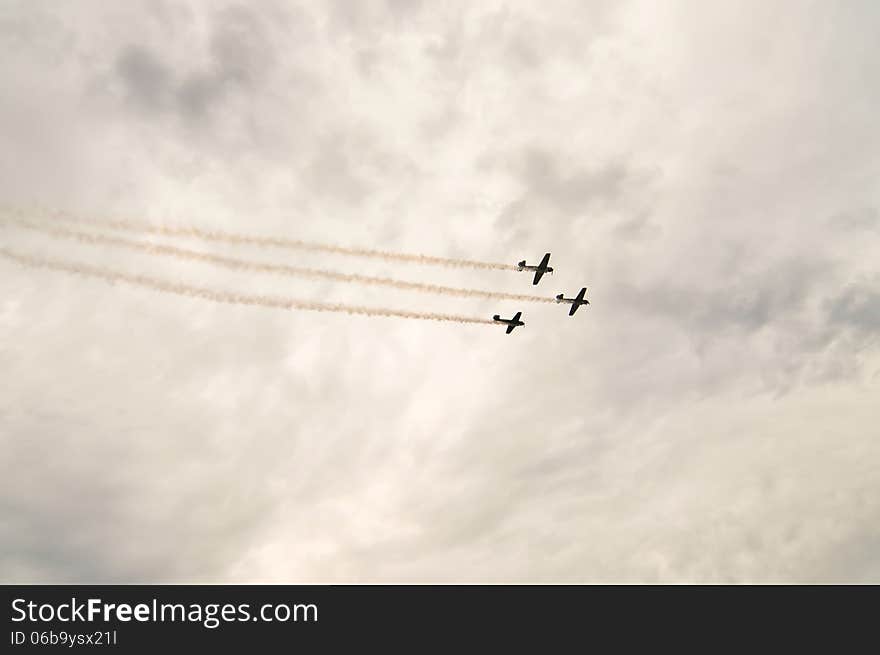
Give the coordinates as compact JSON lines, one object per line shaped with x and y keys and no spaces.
{"x":522,"y":263}
{"x":496,"y":317}
{"x":559,"y":298}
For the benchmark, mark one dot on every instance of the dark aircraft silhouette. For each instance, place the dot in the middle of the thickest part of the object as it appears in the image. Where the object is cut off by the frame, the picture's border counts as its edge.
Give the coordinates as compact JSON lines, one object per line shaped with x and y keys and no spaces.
{"x":540,"y":269}
{"x":510,"y":322}
{"x":575,"y":302}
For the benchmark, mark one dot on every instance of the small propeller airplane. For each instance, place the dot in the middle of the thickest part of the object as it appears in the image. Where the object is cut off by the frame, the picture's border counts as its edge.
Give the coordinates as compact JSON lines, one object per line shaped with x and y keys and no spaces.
{"x":511,"y":323}
{"x":540,"y":269}
{"x":575,"y":302}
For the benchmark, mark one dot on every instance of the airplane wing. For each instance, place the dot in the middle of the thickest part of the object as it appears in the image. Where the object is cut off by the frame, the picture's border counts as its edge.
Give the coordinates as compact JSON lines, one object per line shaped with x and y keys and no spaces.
{"x":516,"y":316}
{"x":510,"y":328}
{"x":574,"y":308}
{"x":542,"y":268}
{"x":580,"y":296}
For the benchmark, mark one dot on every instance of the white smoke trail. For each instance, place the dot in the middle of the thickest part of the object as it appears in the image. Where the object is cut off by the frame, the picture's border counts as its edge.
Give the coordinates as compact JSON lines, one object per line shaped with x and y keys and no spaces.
{"x":280,"y":269}
{"x":144,"y":227}
{"x":165,"y":286}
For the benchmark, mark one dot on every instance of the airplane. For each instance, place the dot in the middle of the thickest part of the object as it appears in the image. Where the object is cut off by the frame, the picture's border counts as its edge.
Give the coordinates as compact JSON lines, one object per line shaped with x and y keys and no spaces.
{"x":575,"y":302}
{"x":540,"y":269}
{"x":510,"y":322}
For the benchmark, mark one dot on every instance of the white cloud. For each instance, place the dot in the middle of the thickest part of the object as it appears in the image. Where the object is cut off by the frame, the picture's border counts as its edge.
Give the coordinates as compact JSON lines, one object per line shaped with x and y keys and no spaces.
{"x":707,"y":171}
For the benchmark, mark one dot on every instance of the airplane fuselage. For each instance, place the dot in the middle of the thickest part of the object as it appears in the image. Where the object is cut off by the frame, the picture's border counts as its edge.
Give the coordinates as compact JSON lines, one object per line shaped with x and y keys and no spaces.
{"x":526,"y":267}
{"x":511,"y":323}
{"x":539,"y":270}
{"x":575,"y":302}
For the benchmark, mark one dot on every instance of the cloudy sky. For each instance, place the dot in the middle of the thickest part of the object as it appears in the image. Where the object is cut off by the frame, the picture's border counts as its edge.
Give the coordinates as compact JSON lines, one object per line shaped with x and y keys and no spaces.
{"x":709,"y":170}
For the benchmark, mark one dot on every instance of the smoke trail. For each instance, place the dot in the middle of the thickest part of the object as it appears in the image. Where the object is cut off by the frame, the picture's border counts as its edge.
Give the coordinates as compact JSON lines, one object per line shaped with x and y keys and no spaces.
{"x":276,"y":242}
{"x":280,"y":269}
{"x":224,"y":296}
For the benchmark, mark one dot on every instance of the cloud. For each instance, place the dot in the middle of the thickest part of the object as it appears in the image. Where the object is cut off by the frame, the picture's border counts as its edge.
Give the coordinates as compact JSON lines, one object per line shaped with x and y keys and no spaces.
{"x":865,"y":218}
{"x":573,"y":192}
{"x":239,"y":54}
{"x":709,"y":417}
{"x":146,"y":79}
{"x":857,"y":307}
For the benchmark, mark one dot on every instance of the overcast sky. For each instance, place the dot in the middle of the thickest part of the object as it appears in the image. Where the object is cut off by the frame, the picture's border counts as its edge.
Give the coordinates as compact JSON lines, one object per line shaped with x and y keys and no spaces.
{"x":709,"y":169}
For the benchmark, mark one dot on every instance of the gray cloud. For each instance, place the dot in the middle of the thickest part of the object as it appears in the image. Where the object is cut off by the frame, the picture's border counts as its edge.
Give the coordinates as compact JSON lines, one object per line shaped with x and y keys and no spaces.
{"x":556,"y":192}
{"x":865,"y":218}
{"x":332,"y":174}
{"x":240,"y":54}
{"x":746,"y":299}
{"x":147,"y":81}
{"x":857,"y":307}
{"x":570,"y":192}
{"x":710,"y":417}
